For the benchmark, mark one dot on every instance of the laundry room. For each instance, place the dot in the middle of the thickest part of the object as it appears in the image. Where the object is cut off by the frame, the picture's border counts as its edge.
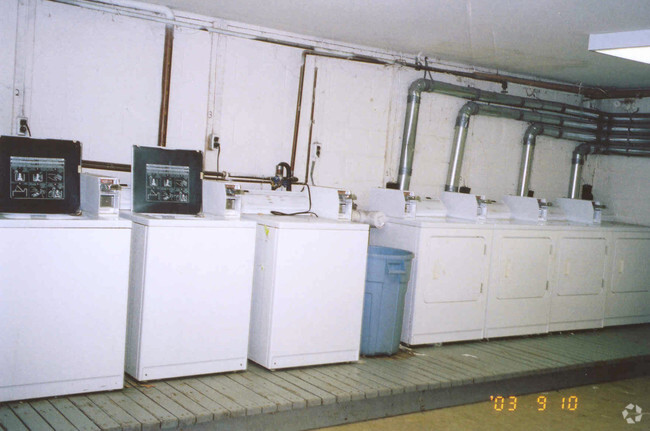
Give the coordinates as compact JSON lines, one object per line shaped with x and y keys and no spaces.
{"x":268,"y":151}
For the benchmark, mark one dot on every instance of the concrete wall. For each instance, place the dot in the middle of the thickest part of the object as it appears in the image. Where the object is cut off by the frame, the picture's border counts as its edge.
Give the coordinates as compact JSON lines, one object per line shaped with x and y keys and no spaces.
{"x":622,"y":183}
{"x":98,"y":81}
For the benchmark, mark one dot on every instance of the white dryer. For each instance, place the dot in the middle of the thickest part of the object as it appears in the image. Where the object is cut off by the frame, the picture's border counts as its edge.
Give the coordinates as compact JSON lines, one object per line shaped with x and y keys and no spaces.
{"x":63,"y":296}
{"x":446,"y":295}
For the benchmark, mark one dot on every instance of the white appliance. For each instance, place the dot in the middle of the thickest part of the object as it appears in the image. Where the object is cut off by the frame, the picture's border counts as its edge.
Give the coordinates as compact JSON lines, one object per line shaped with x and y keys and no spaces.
{"x":628,"y":293}
{"x":520,"y":281}
{"x":100,"y":194}
{"x":393,"y":203}
{"x":331,"y":203}
{"x":222,"y":199}
{"x":308,"y":284}
{"x":580,"y":284}
{"x":189,"y":295}
{"x":581,"y":211}
{"x":63,"y":298}
{"x":279,"y":201}
{"x":474,"y":207}
{"x":527,"y":209}
{"x":446,"y":296}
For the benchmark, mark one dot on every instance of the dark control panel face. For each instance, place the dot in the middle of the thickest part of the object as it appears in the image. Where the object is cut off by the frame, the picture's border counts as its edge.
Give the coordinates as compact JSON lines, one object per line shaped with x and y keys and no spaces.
{"x":37,"y":178}
{"x":39,"y":175}
{"x":167,"y":181}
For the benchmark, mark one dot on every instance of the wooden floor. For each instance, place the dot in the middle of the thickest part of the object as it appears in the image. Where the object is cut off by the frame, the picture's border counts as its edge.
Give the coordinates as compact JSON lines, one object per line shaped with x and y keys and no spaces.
{"x":305,"y":398}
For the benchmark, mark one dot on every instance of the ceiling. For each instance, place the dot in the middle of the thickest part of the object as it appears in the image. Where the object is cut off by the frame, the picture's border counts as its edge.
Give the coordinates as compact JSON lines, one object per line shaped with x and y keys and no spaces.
{"x":540,"y":38}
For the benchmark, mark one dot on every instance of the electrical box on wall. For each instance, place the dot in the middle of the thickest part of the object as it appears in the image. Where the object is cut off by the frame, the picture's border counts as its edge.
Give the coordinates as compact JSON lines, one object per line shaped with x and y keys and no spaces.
{"x":213,"y":142}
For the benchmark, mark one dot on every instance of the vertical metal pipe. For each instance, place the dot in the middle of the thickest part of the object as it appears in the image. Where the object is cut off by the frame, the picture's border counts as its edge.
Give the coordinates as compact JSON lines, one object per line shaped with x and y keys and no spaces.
{"x":166,"y":84}
{"x":408,"y":141}
{"x":530,"y":138}
{"x":577,"y":161}
{"x":458,"y":146}
{"x":296,"y":122}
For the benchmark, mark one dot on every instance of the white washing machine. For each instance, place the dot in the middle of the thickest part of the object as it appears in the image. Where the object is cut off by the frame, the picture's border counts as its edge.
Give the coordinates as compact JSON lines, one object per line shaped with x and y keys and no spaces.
{"x":63,"y":296}
{"x":308,"y":285}
{"x":189,"y":295}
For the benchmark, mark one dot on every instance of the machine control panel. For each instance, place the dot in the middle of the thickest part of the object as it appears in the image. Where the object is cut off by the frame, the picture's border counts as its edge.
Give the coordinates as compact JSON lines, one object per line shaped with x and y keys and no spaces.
{"x":100,"y":194}
{"x":222,"y":198}
{"x":332,"y":203}
{"x":394,"y":203}
{"x":37,"y":178}
{"x":581,"y":211}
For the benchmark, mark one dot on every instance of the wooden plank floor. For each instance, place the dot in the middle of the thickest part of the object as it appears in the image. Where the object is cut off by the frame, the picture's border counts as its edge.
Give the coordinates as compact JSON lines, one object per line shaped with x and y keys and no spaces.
{"x":304,"y":398}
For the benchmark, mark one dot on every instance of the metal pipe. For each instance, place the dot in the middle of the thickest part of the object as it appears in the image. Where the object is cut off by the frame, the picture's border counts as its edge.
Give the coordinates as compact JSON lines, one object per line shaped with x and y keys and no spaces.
{"x":475,"y":94}
{"x":296,"y":121}
{"x":458,"y":146}
{"x":413,"y":107}
{"x":580,"y":156}
{"x":547,"y":124}
{"x":577,"y":161}
{"x":106,"y":166}
{"x":525,"y":168}
{"x":408,"y":141}
{"x":166,"y":85}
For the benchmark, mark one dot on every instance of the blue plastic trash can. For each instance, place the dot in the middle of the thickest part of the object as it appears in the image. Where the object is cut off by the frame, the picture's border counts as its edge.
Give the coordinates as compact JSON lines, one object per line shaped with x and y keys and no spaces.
{"x":387,"y":275}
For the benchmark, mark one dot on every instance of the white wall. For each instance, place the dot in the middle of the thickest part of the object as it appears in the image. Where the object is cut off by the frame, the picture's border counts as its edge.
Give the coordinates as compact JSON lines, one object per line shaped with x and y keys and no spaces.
{"x":258,"y":106}
{"x":8,"y":22}
{"x":96,"y":78}
{"x":622,"y":183}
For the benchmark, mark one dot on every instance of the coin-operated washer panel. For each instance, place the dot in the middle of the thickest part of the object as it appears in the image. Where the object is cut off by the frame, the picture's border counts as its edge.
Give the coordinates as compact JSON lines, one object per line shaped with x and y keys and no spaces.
{"x":100,"y":195}
{"x":222,"y":198}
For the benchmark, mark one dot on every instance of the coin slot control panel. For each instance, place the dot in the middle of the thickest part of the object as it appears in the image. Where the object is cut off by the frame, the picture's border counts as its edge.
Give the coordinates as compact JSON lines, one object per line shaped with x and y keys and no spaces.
{"x":100,"y":194}
{"x":222,"y":199}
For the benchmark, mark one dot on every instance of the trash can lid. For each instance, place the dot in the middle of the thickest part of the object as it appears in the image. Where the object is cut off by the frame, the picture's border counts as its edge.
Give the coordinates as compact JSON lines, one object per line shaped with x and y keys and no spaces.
{"x":388,"y":252}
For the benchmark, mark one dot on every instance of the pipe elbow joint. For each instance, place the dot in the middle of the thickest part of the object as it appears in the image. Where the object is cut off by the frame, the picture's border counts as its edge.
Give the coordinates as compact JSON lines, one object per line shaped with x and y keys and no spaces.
{"x":580,"y":153}
{"x":535,"y":129}
{"x":583,"y":149}
{"x":418,"y":86}
{"x":470,"y":108}
{"x":464,"y":114}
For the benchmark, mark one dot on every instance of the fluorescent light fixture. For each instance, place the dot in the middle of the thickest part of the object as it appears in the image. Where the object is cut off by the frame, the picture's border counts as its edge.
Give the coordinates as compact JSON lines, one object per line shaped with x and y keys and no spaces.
{"x":632,"y":45}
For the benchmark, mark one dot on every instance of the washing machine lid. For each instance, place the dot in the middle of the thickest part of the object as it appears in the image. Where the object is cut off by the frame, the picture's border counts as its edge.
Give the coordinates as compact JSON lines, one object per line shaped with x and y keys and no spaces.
{"x":305,"y":222}
{"x":17,"y":220}
{"x":185,"y":220}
